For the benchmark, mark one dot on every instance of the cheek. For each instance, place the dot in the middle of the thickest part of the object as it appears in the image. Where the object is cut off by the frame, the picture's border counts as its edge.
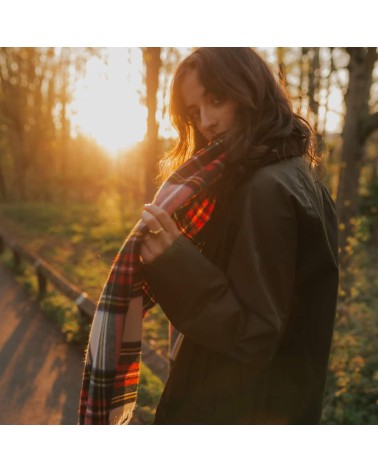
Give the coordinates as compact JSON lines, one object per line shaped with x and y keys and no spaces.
{"x":230,"y":115}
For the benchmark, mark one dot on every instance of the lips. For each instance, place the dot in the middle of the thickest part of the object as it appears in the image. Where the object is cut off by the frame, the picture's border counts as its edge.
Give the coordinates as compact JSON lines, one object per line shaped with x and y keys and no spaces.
{"x":216,"y":136}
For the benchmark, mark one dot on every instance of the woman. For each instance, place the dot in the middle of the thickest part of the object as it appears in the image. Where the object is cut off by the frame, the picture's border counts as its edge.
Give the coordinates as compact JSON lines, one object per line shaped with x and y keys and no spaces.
{"x":254,"y":292}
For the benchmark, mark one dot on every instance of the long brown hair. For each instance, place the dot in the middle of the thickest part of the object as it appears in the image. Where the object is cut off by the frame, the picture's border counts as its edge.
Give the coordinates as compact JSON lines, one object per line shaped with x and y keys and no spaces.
{"x":265,"y":114}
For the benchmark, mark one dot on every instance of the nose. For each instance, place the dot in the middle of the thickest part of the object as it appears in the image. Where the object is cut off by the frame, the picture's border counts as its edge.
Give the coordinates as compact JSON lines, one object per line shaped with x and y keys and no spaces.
{"x":208,"y":120}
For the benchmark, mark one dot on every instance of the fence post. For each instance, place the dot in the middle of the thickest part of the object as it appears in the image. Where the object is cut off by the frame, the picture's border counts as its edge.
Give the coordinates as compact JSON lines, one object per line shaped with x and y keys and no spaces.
{"x":42,"y":280}
{"x":16,"y":258}
{"x":82,"y":316}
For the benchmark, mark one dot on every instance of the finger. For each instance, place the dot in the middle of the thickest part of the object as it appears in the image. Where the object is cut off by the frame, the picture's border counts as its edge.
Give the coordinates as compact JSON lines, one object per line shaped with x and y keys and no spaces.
{"x":155,"y":244}
{"x":146,"y":255}
{"x":163,"y":217}
{"x":151,"y":244}
{"x":151,"y":221}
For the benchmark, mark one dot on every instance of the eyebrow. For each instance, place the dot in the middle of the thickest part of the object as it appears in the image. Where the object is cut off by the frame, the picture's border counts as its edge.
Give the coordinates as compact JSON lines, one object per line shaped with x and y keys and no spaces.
{"x":206,"y":94}
{"x":190,"y":107}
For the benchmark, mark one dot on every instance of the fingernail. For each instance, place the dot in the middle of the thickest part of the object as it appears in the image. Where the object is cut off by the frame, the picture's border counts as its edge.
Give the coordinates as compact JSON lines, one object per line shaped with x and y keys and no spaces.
{"x":147,"y":204}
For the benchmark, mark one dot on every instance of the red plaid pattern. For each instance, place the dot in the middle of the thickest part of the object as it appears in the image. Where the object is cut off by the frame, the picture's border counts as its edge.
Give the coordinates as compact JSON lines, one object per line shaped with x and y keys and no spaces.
{"x":112,"y":363}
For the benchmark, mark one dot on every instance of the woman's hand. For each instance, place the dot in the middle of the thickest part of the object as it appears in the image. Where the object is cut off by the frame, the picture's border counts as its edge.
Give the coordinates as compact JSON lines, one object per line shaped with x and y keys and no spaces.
{"x":166,"y":231}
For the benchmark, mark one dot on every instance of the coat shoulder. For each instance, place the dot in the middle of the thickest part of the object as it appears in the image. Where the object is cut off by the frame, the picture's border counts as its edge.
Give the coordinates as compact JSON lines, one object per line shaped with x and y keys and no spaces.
{"x":282,"y":177}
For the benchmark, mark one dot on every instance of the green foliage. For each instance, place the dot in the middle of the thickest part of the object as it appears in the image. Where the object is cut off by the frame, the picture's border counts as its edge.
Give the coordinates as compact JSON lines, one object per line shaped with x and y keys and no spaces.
{"x":155,"y":330}
{"x":58,"y":308}
{"x":352,"y":386}
{"x":79,"y":240}
{"x":149,"y":393}
{"x":66,"y":315}
{"x":369,"y":208}
{"x":7,"y":259}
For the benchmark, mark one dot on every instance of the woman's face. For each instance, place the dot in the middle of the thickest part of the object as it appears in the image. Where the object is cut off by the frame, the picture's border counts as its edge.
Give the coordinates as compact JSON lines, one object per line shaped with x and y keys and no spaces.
{"x":210,"y":114}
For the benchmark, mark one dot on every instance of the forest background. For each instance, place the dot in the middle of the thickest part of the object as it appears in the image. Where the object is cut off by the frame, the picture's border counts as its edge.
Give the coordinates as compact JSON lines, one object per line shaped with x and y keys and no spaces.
{"x":73,"y":201}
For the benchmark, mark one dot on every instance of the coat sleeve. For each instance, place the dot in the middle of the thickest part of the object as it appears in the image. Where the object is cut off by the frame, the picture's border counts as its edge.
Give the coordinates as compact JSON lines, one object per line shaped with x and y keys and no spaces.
{"x":241,"y":313}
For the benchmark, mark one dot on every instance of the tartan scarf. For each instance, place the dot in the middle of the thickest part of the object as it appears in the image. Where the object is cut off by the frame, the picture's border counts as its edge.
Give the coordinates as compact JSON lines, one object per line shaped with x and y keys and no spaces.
{"x":112,"y":362}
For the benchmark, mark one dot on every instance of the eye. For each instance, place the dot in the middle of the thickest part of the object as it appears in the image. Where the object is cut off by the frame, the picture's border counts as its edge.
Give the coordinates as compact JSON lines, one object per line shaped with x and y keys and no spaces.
{"x":193,"y":116}
{"x":216,"y":99}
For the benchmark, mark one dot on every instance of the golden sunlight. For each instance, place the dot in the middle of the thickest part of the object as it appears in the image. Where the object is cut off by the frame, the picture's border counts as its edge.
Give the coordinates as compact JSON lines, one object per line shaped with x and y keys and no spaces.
{"x":106,"y":101}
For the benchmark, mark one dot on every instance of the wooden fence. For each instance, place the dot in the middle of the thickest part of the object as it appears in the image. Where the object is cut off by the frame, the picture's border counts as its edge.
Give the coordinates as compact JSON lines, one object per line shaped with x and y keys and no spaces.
{"x":86,"y":307}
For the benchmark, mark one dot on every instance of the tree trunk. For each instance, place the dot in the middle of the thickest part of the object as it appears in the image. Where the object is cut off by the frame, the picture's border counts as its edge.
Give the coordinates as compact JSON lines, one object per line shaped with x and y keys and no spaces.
{"x":314,"y":86}
{"x":16,"y":140}
{"x":360,"y":67}
{"x":64,"y":123}
{"x":3,"y":189}
{"x":152,"y":60}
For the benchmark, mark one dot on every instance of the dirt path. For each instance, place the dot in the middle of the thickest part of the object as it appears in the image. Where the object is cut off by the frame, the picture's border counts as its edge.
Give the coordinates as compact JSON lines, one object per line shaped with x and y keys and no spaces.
{"x":40,"y":374}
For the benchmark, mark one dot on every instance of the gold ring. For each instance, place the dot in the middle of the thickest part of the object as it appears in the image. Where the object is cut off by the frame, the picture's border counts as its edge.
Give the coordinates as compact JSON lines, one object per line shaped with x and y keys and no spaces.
{"x":155,"y":231}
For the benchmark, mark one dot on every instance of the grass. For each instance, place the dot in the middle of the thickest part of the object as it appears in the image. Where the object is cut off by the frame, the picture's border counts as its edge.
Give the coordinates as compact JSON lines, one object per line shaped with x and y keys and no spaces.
{"x":78,"y":240}
{"x":352,"y":384}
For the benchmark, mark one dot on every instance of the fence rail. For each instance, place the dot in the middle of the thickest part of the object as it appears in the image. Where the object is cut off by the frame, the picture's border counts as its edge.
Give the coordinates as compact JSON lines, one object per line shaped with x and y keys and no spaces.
{"x":46,"y":273}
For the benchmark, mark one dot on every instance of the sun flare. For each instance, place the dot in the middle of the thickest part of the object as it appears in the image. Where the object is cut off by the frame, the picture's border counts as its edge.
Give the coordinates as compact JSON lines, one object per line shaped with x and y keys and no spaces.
{"x":106,"y":102}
